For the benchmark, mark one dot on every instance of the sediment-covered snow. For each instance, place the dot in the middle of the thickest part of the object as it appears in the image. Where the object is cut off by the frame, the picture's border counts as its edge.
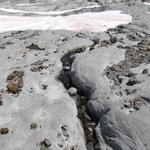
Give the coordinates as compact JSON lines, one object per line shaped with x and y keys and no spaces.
{"x":45,"y":13}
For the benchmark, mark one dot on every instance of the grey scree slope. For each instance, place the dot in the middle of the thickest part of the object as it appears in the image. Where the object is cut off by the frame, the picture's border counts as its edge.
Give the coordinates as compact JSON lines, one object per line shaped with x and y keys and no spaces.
{"x":114,"y":74}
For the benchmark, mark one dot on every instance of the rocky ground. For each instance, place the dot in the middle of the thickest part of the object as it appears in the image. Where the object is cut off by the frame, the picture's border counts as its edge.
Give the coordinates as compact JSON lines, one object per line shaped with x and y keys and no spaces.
{"x":76,"y":90}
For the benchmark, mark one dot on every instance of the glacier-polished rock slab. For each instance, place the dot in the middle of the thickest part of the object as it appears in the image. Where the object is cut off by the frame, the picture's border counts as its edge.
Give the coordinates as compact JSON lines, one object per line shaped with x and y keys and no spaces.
{"x":120,"y":126}
{"x":43,"y":100}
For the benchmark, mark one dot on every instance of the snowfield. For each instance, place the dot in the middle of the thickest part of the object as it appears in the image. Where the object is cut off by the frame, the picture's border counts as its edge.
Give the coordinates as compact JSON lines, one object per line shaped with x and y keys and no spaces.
{"x":84,"y":22}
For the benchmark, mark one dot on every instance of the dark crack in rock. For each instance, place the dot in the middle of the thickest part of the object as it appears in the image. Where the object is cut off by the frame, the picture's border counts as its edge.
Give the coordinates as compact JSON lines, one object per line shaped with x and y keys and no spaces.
{"x":80,"y":99}
{"x":38,"y":66}
{"x":35,"y":47}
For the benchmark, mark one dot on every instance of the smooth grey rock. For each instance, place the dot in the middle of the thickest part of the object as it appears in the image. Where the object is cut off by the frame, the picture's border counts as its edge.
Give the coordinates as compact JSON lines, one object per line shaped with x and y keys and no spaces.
{"x":50,"y":108}
{"x":119,"y":128}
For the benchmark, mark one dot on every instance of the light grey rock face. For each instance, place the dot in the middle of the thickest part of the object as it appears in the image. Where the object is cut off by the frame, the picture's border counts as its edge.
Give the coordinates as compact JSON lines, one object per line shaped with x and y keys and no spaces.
{"x":41,"y":114}
{"x":114,"y":79}
{"x":122,"y":127}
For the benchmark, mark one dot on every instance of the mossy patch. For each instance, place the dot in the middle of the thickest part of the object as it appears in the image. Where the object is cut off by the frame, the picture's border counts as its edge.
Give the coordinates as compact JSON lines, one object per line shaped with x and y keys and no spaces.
{"x":15,"y":82}
{"x":4,"y":131}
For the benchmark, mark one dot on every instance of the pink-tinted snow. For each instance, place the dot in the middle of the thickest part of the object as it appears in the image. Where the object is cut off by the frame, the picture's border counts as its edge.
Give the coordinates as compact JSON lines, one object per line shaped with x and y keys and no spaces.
{"x":84,"y":22}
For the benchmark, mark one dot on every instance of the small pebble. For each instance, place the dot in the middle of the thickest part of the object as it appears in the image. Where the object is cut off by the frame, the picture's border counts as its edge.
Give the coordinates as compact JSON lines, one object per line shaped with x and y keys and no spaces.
{"x":4,"y":130}
{"x":44,"y":87}
{"x":87,"y":49}
{"x":72,"y":91}
{"x":67,"y":68}
{"x":33,"y":126}
{"x":46,"y":143}
{"x":145,"y":71}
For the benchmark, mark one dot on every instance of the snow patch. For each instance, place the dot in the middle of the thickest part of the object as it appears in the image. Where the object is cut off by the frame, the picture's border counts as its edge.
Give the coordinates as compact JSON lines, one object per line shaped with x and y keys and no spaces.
{"x":85,"y":22}
{"x":147,"y":3}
